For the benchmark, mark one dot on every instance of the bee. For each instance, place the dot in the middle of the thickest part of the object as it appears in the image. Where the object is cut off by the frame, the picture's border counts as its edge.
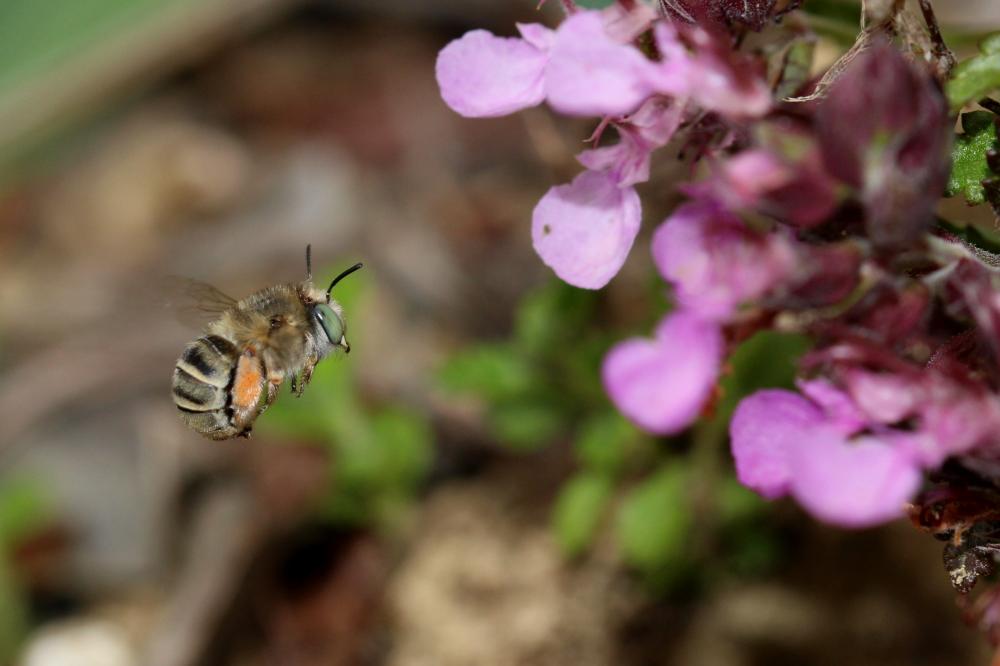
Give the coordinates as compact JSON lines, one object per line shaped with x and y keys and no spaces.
{"x":230,"y":375}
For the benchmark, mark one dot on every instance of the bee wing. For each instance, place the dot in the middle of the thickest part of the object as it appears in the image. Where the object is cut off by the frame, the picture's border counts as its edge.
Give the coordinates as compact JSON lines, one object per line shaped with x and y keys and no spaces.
{"x":195,"y":302}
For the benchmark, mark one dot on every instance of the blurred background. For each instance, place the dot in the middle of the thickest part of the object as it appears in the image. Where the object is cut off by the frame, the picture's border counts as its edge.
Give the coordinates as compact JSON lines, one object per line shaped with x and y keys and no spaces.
{"x":458,"y":491}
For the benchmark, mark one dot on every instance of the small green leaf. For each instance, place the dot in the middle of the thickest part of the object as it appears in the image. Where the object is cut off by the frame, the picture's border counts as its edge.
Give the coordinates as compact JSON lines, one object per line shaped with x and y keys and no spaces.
{"x":405,"y":442}
{"x":491,"y":372}
{"x":578,"y":511}
{"x":602,"y":440}
{"x":977,"y":76}
{"x":969,"y":168}
{"x":654,"y":522}
{"x":767,"y":360}
{"x":594,"y":4}
{"x":735,"y":503}
{"x":527,"y":425}
{"x":552,"y":314}
{"x":25,"y":507}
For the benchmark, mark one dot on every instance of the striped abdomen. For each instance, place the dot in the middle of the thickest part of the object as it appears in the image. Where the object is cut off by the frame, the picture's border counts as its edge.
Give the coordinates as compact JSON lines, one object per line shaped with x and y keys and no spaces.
{"x":203,"y":379}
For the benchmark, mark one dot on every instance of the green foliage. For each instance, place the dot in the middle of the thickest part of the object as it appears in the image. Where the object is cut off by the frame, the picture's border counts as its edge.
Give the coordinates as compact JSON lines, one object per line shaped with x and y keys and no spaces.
{"x":489,"y":371}
{"x":594,"y":4}
{"x":378,"y":455}
{"x":537,"y":384}
{"x":977,"y":76}
{"x":25,"y":508}
{"x":655,"y":521}
{"x":969,"y":167}
{"x":766,"y":360}
{"x":578,"y":511}
{"x":603,"y":441}
{"x":542,"y":386}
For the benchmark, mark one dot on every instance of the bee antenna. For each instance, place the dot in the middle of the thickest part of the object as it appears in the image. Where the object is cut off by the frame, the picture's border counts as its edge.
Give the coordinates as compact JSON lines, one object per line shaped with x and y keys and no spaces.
{"x":309,"y":262}
{"x":340,"y":277}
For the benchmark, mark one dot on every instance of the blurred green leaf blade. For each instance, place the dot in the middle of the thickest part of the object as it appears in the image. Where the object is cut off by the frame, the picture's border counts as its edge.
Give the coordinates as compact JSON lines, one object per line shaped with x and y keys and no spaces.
{"x":578,"y":511}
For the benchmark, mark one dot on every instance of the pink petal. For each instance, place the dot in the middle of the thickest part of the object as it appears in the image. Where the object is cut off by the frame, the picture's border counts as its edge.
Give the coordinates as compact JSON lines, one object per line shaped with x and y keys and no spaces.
{"x":764,"y":428}
{"x":715,"y":262}
{"x":584,"y":230}
{"x":662,"y":384}
{"x":840,"y":411}
{"x":537,"y":35}
{"x":649,"y":128}
{"x":589,"y":74}
{"x":883,"y":397}
{"x":625,"y":24}
{"x":482,"y":75}
{"x":852,"y":484}
{"x":713,"y":75}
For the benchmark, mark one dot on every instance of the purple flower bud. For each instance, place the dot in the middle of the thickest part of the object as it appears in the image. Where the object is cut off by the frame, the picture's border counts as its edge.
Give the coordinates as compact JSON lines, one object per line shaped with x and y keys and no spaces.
{"x":754,"y":14}
{"x":800,"y":193}
{"x":662,"y":384}
{"x":884,"y":130}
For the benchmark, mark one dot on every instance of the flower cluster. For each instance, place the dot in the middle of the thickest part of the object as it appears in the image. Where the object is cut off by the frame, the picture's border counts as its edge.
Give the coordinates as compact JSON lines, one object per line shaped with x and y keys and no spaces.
{"x":817,"y":218}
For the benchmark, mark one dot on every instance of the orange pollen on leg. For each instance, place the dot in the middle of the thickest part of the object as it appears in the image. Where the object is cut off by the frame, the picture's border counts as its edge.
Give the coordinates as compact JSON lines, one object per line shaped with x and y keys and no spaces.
{"x":248,"y":384}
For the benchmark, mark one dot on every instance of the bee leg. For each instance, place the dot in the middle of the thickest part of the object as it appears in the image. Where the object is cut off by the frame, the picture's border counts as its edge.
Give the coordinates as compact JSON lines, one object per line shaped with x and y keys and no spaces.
{"x":306,"y":377}
{"x":272,"y":392}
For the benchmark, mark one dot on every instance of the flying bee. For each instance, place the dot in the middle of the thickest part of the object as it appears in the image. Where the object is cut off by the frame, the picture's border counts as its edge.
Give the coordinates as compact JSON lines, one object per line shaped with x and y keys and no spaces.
{"x":225,"y":379}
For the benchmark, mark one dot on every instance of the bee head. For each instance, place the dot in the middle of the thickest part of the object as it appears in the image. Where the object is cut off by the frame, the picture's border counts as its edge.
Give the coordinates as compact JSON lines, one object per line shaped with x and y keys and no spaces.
{"x":328,"y":319}
{"x":330,"y":325}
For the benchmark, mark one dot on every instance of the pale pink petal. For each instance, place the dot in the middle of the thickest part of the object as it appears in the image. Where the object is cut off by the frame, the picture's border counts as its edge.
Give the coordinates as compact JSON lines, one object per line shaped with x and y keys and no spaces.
{"x":584,"y":230}
{"x":625,"y":24}
{"x":841,"y":412}
{"x":589,"y":74}
{"x":764,"y":428}
{"x":662,"y":384}
{"x":715,"y":262}
{"x":537,"y":35}
{"x":715,"y":77}
{"x":649,"y":128}
{"x":883,"y":397}
{"x":482,"y":75}
{"x":852,"y":483}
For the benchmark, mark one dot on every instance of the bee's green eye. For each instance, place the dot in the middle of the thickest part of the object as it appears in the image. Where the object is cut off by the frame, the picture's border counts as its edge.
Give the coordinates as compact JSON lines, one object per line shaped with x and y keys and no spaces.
{"x":333,"y":325}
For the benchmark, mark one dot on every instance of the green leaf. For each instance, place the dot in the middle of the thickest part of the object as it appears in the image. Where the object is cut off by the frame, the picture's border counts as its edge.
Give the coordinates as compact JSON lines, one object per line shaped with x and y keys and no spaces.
{"x":735,"y":503}
{"x":550,"y":315}
{"x":977,"y":76}
{"x":527,"y":425}
{"x":654,"y":522}
{"x":492,"y":372}
{"x":594,"y":4}
{"x":602,"y":440}
{"x":969,"y":167}
{"x":405,"y":442}
{"x":578,"y":511}
{"x":767,"y":360}
{"x":25,"y":507}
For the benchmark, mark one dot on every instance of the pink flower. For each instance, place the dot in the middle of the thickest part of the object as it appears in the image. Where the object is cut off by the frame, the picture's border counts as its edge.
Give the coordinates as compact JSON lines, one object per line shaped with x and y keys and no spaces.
{"x":481,"y":75}
{"x":707,"y":69}
{"x":715,"y":262}
{"x":662,"y":384}
{"x":798,"y":193}
{"x":589,"y":74}
{"x":649,"y":128}
{"x":784,"y":444}
{"x":584,"y":230}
